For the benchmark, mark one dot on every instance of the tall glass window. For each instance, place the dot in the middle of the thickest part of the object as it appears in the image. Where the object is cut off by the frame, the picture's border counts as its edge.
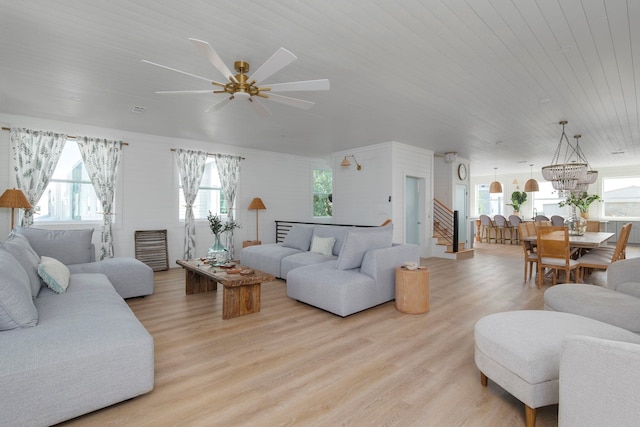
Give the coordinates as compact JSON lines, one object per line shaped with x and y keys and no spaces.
{"x":210,"y":196}
{"x":621,"y":197}
{"x":322,"y":192}
{"x":69,"y":196}
{"x":488,"y":203}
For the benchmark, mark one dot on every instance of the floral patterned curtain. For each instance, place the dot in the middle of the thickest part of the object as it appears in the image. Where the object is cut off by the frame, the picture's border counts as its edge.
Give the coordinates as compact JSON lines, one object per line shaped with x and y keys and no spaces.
{"x":191,"y":165}
{"x":35,"y":156}
{"x":229,"y":173}
{"x":101,"y":158}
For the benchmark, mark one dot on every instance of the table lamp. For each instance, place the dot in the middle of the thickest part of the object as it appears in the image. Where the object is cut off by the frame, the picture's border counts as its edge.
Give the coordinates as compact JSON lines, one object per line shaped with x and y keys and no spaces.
{"x":257,"y":204}
{"x":14,"y":198}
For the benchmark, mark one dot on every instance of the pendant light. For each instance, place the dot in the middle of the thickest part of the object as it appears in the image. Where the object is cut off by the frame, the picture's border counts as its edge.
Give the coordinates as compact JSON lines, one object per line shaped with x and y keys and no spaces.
{"x":495,"y":186}
{"x":531,"y":184}
{"x":565,"y":173}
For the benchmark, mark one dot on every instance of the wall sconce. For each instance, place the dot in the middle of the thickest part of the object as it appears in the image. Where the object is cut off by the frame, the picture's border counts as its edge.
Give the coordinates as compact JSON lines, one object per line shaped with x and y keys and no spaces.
{"x":14,"y":198}
{"x":346,"y":163}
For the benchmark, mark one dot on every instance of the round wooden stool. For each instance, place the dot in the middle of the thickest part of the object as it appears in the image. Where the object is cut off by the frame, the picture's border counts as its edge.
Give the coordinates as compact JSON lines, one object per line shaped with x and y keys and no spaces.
{"x":412,"y":290}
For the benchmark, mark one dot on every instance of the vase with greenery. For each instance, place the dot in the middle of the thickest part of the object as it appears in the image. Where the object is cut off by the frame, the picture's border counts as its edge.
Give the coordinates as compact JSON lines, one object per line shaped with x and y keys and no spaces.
{"x":217,"y":253}
{"x":517,"y":200}
{"x":580,"y":200}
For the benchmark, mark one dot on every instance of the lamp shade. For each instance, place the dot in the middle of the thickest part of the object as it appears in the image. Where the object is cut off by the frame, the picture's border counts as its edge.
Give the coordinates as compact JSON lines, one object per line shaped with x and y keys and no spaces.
{"x":531,"y":185}
{"x":495,"y":187}
{"x":256,"y":203}
{"x":345,"y":162}
{"x":14,"y":198}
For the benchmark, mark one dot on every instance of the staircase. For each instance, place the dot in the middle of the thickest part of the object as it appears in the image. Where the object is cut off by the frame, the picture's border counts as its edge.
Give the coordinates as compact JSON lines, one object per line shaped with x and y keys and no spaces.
{"x":445,"y":234}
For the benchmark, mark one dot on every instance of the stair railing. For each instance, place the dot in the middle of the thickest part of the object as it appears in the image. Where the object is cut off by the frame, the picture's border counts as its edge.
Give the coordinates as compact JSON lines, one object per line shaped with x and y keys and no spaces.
{"x":445,"y":224}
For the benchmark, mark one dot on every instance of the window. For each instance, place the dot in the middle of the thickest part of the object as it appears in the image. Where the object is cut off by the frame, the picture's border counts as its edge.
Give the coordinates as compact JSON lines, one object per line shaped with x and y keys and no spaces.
{"x":70,"y":196}
{"x":322,"y":192}
{"x":621,"y":197}
{"x":545,"y":201}
{"x":488,"y":203}
{"x":210,"y":196}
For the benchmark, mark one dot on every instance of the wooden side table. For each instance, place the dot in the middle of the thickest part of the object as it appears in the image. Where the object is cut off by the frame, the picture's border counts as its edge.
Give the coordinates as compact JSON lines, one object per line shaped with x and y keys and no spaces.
{"x":246,"y":243}
{"x":412,"y":290}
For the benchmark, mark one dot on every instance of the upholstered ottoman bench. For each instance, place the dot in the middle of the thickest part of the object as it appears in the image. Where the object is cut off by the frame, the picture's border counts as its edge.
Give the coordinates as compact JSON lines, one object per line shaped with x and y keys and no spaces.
{"x":520,"y":351}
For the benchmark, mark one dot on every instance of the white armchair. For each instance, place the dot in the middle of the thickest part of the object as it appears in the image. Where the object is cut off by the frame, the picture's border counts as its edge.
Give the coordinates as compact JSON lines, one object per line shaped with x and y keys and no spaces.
{"x":599,"y":383}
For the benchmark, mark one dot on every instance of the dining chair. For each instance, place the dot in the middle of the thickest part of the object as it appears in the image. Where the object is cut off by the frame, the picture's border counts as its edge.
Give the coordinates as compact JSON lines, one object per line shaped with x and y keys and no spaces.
{"x":601,"y":258}
{"x":502,"y":227}
{"x":487,"y":226}
{"x":514,"y":221}
{"x":557,"y":220}
{"x":529,"y":249}
{"x":539,"y":218}
{"x":554,"y":253}
{"x":593,"y":225}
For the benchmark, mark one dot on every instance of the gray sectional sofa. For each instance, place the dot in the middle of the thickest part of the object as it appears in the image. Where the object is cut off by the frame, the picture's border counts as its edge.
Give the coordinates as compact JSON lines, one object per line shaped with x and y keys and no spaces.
{"x":339,"y":269}
{"x":66,"y":354}
{"x":617,"y":303}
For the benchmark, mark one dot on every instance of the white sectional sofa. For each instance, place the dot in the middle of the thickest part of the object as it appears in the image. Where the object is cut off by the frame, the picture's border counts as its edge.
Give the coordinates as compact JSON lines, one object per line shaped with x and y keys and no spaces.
{"x":66,"y":354}
{"x":340,"y":269}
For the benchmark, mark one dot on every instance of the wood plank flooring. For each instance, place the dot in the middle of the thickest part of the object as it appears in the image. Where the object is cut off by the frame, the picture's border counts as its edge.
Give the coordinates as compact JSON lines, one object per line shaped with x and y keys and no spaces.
{"x":295,"y":365}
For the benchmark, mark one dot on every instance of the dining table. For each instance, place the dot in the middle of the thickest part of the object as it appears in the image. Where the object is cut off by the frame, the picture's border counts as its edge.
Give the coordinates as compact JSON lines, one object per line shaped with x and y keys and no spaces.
{"x":589,"y":240}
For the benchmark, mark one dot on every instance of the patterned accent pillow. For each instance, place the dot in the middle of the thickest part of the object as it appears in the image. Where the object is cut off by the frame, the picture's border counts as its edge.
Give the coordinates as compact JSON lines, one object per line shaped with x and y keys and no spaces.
{"x":54,"y":273}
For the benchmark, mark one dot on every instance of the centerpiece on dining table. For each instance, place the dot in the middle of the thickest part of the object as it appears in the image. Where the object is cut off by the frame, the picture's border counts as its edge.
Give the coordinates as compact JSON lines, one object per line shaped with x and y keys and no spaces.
{"x":217,"y":253}
{"x":577,"y":224}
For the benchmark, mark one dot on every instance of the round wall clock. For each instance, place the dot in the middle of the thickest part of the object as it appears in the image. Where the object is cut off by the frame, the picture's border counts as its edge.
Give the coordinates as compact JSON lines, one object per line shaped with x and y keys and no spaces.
{"x":462,"y":171}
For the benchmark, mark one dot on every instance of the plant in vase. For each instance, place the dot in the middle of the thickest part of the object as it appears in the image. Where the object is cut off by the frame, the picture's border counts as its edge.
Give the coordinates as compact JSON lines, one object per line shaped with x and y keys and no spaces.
{"x":517,"y":200}
{"x":581,"y":201}
{"x":577,"y":225}
{"x":217,"y":252}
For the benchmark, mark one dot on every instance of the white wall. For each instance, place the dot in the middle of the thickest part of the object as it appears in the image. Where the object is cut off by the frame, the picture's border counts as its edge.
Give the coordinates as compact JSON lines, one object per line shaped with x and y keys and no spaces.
{"x":363,"y":196}
{"x":149,"y":186}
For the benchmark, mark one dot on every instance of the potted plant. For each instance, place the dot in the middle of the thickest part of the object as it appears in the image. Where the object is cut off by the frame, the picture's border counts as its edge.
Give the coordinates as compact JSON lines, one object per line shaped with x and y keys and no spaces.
{"x":217,"y":252}
{"x":517,"y":199}
{"x":580,"y":200}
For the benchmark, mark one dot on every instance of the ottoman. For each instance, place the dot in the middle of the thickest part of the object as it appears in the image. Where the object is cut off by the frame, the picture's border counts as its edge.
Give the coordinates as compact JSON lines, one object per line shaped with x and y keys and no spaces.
{"x":520,"y":351}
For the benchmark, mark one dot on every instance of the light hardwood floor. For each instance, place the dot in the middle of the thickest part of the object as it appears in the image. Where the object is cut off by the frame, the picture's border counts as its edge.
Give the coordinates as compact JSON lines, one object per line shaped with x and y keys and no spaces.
{"x":296,"y":365}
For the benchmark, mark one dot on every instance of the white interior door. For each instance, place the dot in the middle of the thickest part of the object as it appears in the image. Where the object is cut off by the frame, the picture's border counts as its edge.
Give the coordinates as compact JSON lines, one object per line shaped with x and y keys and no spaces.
{"x":460,"y":205}
{"x":413,"y":209}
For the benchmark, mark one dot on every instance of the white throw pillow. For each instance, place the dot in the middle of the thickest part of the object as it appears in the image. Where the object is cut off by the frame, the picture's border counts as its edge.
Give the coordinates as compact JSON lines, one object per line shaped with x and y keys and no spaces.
{"x":322,"y":245}
{"x":54,"y":273}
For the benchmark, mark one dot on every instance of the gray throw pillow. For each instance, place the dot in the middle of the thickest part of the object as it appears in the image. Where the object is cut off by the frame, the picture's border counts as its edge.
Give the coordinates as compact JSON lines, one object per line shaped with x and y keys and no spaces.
{"x":67,"y":246}
{"x":358,"y":242}
{"x":299,"y":237}
{"x":18,"y":246}
{"x":16,"y":306}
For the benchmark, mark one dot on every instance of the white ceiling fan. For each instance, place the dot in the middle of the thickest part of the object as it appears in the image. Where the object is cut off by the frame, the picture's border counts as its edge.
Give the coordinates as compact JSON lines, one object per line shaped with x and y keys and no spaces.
{"x":246,"y":87}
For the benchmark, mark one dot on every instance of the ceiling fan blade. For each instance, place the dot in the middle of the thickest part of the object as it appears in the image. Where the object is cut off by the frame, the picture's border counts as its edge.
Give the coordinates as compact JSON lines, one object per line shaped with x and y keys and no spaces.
{"x":293,"y":102}
{"x":322,"y":84}
{"x":206,"y":50}
{"x":182,"y":92}
{"x":277,"y":62}
{"x":218,"y":105}
{"x":178,"y":71}
{"x":259,"y":107}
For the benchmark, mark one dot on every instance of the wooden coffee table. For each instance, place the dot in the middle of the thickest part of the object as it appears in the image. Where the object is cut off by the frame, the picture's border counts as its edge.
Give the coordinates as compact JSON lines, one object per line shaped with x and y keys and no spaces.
{"x":241,"y":294}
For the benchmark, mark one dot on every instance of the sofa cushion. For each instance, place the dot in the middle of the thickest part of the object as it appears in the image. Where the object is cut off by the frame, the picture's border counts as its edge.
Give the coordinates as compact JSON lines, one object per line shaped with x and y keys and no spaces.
{"x":67,"y":246}
{"x":358,"y":242}
{"x":336,"y":231}
{"x":16,"y":305}
{"x":302,"y":259}
{"x":54,"y":273}
{"x":19,"y":247}
{"x":322,"y":245}
{"x":299,"y":237}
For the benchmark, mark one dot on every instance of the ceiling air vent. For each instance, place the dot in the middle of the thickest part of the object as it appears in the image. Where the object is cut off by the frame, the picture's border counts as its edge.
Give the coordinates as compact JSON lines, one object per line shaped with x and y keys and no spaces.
{"x":138,"y":109}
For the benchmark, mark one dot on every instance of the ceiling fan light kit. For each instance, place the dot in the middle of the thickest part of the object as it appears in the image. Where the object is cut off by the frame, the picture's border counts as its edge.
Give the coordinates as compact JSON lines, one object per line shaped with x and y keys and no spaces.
{"x":244,"y":87}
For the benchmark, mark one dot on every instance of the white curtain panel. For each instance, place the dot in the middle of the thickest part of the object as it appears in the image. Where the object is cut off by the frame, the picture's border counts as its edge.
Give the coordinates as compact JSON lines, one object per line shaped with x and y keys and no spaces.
{"x":191,"y":165}
{"x":229,"y":173}
{"x":101,"y":158}
{"x":35,"y":156}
